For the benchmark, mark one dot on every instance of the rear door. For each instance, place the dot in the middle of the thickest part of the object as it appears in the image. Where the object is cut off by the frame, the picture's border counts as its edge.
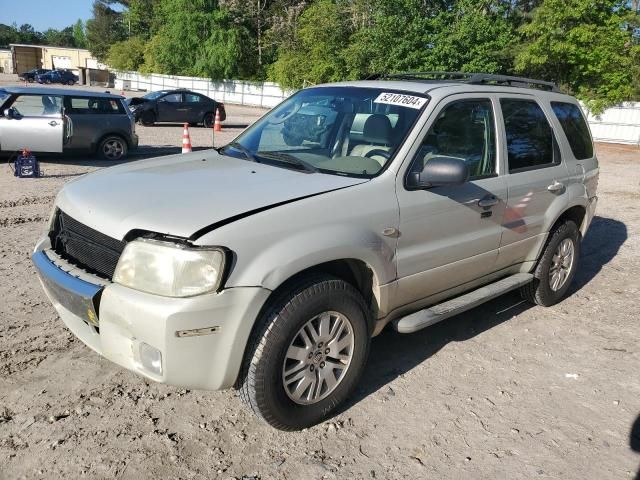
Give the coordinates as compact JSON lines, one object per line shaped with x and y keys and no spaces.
{"x":195,"y":107}
{"x":36,"y":124}
{"x":171,"y":108}
{"x":536,"y":176}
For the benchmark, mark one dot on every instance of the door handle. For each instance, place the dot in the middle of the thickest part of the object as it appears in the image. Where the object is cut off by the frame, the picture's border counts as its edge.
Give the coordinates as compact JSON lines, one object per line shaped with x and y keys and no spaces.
{"x":53,"y":123}
{"x":556,"y":186}
{"x":488,"y":201}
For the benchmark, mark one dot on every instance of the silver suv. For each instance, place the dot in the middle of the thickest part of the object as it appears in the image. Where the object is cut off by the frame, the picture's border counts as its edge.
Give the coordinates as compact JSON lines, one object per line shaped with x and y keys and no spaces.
{"x":57,"y":120}
{"x":270,"y":263}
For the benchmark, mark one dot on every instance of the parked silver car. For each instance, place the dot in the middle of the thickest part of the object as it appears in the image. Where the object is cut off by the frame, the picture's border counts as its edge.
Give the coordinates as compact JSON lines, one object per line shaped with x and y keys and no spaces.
{"x":268,"y":265}
{"x":57,"y":120}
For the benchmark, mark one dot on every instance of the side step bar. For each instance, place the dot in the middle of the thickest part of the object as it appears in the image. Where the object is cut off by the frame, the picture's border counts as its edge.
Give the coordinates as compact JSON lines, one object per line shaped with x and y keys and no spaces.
{"x":424,"y":318}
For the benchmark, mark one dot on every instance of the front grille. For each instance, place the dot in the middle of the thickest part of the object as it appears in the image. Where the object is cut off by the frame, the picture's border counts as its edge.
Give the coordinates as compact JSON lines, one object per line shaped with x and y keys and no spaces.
{"x":85,"y":247}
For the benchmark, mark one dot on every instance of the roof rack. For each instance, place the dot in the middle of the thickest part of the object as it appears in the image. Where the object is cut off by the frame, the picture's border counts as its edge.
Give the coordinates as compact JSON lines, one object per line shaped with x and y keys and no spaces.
{"x":470,"y":78}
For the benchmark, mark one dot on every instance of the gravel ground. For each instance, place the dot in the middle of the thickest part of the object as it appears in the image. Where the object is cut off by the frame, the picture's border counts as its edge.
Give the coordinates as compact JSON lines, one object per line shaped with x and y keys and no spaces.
{"x":506,"y":390}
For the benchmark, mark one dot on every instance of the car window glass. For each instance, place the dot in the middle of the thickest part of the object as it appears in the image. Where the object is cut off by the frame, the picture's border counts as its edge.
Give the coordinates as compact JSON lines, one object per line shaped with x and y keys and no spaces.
{"x":193,"y":98}
{"x":575,"y":128}
{"x":339,"y":130}
{"x":172,"y":98}
{"x":530,"y":141}
{"x":465,"y":130}
{"x":38,"y":105}
{"x":94,"y":105}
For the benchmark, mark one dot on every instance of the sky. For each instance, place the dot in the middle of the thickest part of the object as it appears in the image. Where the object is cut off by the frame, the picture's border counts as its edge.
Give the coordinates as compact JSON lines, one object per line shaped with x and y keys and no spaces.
{"x":44,"y":14}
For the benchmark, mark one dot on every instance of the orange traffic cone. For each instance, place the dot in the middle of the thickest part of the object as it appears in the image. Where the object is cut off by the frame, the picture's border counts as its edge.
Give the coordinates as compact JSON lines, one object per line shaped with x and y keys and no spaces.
{"x":217,"y":125}
{"x":186,"y":139}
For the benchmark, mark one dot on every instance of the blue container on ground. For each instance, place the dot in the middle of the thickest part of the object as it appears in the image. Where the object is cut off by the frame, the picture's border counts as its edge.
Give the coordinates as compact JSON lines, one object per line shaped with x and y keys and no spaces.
{"x":26,"y":165}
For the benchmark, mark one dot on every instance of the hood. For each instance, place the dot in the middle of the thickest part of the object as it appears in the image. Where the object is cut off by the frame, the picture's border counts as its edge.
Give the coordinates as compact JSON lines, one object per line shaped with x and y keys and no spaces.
{"x":182,"y":194}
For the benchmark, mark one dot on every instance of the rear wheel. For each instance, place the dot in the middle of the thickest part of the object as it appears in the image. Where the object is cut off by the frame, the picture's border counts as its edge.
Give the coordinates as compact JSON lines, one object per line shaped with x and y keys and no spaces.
{"x":209,"y":120}
{"x":307,"y":353}
{"x":147,"y":118}
{"x":112,"y":148}
{"x":557,"y":266}
{"x":30,"y":80}
{"x":71,"y":82}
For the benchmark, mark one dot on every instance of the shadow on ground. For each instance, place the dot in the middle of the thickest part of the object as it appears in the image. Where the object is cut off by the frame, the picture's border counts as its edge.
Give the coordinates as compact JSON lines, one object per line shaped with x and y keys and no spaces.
{"x":634,"y":440}
{"x":393,"y":354}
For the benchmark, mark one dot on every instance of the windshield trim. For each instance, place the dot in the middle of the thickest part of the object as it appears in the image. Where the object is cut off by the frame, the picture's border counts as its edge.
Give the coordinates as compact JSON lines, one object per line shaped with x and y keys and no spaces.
{"x":359,"y":87}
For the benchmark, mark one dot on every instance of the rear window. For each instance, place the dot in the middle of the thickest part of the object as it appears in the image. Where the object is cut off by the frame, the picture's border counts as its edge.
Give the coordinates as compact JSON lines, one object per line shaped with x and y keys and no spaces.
{"x":575,"y":128}
{"x":94,"y":106}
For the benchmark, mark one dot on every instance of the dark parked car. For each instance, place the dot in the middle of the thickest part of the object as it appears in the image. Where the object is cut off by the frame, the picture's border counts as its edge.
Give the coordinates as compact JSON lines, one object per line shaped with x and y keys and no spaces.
{"x":66,"y":77}
{"x":182,"y":106}
{"x":31,"y":75}
{"x":60,"y":120}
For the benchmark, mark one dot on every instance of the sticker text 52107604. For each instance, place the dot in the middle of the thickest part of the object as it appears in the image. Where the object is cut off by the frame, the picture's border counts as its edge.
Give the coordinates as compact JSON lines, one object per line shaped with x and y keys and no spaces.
{"x":401,"y":100}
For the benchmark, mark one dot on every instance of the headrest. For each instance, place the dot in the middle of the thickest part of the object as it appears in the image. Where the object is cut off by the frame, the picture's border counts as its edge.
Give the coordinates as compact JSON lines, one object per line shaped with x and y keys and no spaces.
{"x":377,"y":129}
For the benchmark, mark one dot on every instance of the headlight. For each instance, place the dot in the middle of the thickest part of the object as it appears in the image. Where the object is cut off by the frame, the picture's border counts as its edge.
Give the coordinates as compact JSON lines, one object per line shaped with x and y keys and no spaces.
{"x":169,"y":269}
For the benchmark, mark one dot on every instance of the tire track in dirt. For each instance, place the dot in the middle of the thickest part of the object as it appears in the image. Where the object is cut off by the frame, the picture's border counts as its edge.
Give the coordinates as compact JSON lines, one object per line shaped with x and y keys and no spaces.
{"x":10,"y":222}
{"x":26,"y":201}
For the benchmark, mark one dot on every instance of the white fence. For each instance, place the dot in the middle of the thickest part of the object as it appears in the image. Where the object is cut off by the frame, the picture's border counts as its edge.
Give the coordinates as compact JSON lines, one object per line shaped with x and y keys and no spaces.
{"x":265,"y":94}
{"x":619,"y":124}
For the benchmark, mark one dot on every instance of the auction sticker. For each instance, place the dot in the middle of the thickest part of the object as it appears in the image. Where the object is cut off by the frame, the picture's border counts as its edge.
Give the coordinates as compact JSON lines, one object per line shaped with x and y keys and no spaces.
{"x":401,"y":100}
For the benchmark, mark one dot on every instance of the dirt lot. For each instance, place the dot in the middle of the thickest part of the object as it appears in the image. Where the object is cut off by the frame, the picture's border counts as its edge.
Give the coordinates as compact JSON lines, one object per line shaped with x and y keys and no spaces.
{"x":504,"y":391}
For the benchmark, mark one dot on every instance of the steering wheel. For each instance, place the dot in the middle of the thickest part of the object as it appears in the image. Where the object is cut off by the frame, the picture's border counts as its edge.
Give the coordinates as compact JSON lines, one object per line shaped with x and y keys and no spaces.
{"x":378,"y":151}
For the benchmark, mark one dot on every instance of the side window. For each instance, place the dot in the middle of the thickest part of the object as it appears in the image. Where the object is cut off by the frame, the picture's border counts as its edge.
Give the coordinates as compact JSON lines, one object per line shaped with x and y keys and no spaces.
{"x":94,"y":105}
{"x":530,"y":140}
{"x":466,"y":130}
{"x":575,"y":128}
{"x":172,"y":98}
{"x":193,"y":98}
{"x":38,"y":105}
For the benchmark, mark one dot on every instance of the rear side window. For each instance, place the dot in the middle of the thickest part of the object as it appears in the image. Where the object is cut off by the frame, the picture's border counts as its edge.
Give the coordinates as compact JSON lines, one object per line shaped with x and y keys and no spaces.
{"x":530,"y":140}
{"x":575,"y":128}
{"x":94,"y":106}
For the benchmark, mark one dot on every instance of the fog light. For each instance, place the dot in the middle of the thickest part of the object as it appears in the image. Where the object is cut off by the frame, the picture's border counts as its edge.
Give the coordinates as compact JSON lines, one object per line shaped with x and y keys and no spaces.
{"x":151,"y":358}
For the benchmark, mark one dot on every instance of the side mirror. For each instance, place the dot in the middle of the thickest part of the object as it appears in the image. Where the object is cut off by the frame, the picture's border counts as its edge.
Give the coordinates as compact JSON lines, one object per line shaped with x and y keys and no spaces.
{"x":440,"y":171}
{"x":9,"y":113}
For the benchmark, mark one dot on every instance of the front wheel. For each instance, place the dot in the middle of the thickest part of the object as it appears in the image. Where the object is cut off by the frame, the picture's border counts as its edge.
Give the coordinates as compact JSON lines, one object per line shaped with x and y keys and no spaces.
{"x":307,"y":354}
{"x":112,"y":148}
{"x":557,"y":266}
{"x":147,"y":118}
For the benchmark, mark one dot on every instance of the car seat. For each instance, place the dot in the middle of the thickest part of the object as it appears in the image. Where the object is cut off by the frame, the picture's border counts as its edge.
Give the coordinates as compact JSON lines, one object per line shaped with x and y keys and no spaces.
{"x":377,"y":133}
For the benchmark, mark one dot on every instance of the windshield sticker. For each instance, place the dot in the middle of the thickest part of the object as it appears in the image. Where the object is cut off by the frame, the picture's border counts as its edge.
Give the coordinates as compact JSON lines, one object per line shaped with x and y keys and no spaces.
{"x":401,"y":100}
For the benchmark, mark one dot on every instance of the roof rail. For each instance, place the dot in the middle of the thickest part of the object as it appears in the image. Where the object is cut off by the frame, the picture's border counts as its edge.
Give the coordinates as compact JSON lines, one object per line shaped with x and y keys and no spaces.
{"x":470,"y":78}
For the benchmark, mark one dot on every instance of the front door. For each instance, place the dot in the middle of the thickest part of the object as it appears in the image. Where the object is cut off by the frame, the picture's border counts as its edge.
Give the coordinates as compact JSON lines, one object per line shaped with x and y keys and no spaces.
{"x":35,"y":123}
{"x":171,"y":108}
{"x":450,"y":235}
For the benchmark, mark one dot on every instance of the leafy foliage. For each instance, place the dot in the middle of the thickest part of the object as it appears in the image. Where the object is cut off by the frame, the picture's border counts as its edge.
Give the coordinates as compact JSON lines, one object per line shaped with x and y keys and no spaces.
{"x":581,"y":45}
{"x":127,"y":54}
{"x":104,"y":29}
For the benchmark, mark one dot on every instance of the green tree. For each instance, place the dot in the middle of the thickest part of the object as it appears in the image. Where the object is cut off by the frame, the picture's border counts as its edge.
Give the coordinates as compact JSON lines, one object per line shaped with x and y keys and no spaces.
{"x":315,"y":54}
{"x":79,"y":35}
{"x":198,"y":38}
{"x":104,"y":29}
{"x":59,"y":38}
{"x":582,"y":45}
{"x":127,"y":55}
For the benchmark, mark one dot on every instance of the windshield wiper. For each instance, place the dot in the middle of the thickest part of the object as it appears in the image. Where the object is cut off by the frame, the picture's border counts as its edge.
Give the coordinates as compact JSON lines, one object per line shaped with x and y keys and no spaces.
{"x":241,"y":148}
{"x":288,"y":158}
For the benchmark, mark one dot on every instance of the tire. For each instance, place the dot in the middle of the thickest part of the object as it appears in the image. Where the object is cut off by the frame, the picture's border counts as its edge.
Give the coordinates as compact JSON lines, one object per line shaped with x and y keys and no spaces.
{"x":113,"y":148}
{"x":47,"y":81}
{"x":30,"y":80}
{"x":147,"y":118}
{"x":279,"y":331}
{"x":209,"y":120}
{"x":71,"y":82}
{"x":548,"y":287}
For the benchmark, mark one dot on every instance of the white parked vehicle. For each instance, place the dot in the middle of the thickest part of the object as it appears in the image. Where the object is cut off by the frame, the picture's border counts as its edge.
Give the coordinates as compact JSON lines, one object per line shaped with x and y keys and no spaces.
{"x":269,"y":264}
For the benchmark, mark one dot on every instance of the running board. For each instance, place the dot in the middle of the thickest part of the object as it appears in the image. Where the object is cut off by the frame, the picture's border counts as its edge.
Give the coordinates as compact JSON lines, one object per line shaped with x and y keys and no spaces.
{"x":422,"y":319}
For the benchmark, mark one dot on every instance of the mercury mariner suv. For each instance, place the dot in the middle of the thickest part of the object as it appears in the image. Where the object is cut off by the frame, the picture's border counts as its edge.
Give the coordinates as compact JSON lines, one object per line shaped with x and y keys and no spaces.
{"x":269,"y":264}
